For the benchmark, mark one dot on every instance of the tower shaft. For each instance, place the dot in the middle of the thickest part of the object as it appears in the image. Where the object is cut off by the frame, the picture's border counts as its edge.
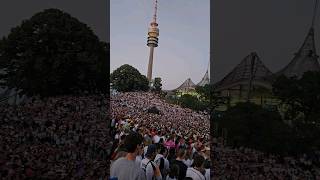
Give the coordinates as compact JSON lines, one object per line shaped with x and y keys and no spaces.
{"x":149,"y":75}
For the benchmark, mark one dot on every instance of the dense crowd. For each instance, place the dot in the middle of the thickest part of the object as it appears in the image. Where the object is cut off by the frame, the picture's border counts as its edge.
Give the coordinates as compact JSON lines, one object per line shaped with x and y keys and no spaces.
{"x":246,"y":163}
{"x":68,"y":137}
{"x":56,"y":138}
{"x":170,"y":143}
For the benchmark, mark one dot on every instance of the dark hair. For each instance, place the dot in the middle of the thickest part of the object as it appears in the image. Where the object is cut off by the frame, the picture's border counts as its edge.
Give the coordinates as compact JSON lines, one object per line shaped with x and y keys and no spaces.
{"x":122,"y":147}
{"x":198,"y":160}
{"x":207,"y":164}
{"x":172,"y":154}
{"x":131,"y":141}
{"x":123,"y":137}
{"x":187,"y":178}
{"x":162,"y":149}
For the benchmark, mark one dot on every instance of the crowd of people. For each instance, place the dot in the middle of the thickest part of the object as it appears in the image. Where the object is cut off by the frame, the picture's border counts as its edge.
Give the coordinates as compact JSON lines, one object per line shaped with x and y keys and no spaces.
{"x":171,"y":143}
{"x":62,"y":137}
{"x":245,"y":163}
{"x":70,"y":137}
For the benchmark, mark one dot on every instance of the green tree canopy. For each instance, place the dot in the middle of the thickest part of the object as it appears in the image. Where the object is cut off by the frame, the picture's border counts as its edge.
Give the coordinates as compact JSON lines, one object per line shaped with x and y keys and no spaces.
{"x":192,"y":102}
{"x":300,"y":96}
{"x":53,"y":53}
{"x":127,"y":78}
{"x":252,"y":126}
{"x":300,"y":103}
{"x":211,"y":98}
{"x":157,"y":84}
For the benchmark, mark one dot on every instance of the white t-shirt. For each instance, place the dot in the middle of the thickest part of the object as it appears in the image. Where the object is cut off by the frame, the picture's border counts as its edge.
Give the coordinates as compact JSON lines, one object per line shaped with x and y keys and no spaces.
{"x":194,"y":174}
{"x":156,"y":139}
{"x":147,"y":167}
{"x":166,"y":162}
{"x":113,"y":122}
{"x":188,"y":162}
{"x":207,"y":175}
{"x":138,"y":160}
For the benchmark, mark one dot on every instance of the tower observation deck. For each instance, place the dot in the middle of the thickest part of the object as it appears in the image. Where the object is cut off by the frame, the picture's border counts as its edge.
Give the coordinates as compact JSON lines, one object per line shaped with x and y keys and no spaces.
{"x":152,"y":42}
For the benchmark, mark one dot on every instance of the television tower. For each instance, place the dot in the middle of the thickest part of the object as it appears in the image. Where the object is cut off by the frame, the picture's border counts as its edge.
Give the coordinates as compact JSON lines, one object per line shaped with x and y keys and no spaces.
{"x":153,"y":34}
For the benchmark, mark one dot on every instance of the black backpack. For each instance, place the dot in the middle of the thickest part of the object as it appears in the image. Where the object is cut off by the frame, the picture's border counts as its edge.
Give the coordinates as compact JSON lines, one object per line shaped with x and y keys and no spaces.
{"x":153,"y":167}
{"x":161,"y":167}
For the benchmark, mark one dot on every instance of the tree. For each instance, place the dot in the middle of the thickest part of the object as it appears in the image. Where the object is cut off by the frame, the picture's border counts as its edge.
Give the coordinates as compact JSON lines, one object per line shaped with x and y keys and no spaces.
{"x":211,"y":98}
{"x":300,"y":103}
{"x":192,"y":102}
{"x":300,"y":97}
{"x":252,"y":126}
{"x":53,"y":53}
{"x":157,"y":84}
{"x":127,"y":78}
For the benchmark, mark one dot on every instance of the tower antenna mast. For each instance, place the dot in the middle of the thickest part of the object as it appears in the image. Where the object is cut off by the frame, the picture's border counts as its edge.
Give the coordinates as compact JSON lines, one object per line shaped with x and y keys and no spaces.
{"x":155,"y":11}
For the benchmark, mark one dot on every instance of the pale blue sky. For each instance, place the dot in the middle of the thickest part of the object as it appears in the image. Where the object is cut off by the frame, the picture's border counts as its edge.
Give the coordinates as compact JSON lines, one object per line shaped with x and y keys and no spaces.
{"x":184,"y":42}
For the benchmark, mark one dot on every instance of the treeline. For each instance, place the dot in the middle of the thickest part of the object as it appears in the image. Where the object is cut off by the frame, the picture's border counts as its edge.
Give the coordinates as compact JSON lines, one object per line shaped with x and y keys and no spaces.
{"x":291,"y":129}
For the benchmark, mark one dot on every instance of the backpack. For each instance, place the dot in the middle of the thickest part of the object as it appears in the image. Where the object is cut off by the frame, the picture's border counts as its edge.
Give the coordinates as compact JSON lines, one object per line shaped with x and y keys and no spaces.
{"x":153,"y":167}
{"x":161,"y":167}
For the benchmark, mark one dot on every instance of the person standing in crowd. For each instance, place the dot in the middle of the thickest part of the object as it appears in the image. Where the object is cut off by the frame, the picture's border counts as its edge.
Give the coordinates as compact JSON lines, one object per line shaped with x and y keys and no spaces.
{"x":162,"y":161}
{"x":171,"y":155}
{"x":173,"y":173}
{"x":139,"y":157}
{"x":188,"y":159}
{"x":197,"y":171}
{"x":207,"y":162}
{"x":125,"y":168}
{"x":156,"y":138}
{"x":150,"y":168}
{"x":179,"y":161}
{"x":112,"y":126}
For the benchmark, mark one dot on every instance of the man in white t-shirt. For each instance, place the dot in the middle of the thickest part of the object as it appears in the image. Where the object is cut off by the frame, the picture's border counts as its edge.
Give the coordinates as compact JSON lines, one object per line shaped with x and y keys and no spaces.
{"x":162,"y":161}
{"x":196,"y":172}
{"x":156,"y":139}
{"x":149,"y":166}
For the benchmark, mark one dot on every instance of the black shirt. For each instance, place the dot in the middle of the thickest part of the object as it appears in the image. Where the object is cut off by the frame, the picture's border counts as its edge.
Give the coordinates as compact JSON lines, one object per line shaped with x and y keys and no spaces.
{"x":182,"y":169}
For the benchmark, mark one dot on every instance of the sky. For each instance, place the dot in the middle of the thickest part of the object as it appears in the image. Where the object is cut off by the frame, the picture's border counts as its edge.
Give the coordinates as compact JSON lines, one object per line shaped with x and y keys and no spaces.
{"x":93,"y":12}
{"x":184,"y":44}
{"x":272,"y":28}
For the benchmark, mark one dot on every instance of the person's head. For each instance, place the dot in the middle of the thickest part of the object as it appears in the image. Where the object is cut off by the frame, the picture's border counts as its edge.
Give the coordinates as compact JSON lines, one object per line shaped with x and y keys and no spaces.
{"x":162,"y":150}
{"x":206,"y":152}
{"x":121,"y":152}
{"x":151,"y":151}
{"x":147,"y":141}
{"x":188,"y":154}
{"x":181,"y":153}
{"x":172,"y":152}
{"x":198,"y":161}
{"x":122,"y":139}
{"x":161,"y":141}
{"x":132,"y":142}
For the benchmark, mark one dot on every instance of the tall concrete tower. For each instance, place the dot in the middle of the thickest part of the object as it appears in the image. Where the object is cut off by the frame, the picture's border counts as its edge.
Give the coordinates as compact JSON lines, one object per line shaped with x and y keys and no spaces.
{"x":152,"y":42}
